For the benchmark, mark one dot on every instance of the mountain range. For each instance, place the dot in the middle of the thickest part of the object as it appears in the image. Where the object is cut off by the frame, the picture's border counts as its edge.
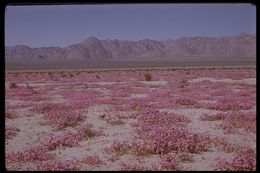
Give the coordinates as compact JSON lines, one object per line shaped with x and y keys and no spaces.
{"x":241,"y":45}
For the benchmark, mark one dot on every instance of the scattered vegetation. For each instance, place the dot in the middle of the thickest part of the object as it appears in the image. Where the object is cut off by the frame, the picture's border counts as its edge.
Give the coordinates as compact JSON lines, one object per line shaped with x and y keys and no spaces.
{"x":12,"y":85}
{"x":168,"y":139}
{"x":148,"y":76}
{"x":184,"y":83}
{"x":97,"y":76}
{"x":244,"y":160}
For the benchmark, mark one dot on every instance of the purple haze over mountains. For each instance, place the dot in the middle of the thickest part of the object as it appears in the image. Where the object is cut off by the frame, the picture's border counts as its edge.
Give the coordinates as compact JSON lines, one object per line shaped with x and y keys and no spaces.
{"x":241,"y":45}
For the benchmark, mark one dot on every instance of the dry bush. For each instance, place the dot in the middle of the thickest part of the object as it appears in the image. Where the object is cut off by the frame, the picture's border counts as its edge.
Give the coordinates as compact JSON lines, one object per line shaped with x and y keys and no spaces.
{"x":111,"y":119}
{"x":184,"y":83}
{"x":30,"y":88}
{"x":71,"y":75}
{"x":63,"y":75}
{"x":206,"y":117}
{"x":147,"y":76}
{"x":188,"y":72}
{"x":97,"y":76}
{"x":12,"y":85}
{"x":10,"y":115}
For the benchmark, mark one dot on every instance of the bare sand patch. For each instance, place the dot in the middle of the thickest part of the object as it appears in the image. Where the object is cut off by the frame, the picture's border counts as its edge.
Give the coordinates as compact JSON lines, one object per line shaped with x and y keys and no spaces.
{"x":246,"y":80}
{"x":161,"y":82}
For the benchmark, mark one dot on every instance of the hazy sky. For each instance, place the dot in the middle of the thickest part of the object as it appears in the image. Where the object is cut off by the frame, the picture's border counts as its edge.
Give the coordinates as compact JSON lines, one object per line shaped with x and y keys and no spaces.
{"x":62,"y":25}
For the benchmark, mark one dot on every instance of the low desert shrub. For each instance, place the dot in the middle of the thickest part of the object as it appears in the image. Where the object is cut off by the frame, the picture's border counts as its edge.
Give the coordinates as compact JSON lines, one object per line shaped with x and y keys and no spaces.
{"x":12,"y":85}
{"x":10,"y":132}
{"x":233,"y":104}
{"x":215,"y":117}
{"x":232,"y":121}
{"x":117,"y":149}
{"x":188,"y":72}
{"x":68,"y":138}
{"x":168,"y":132}
{"x":93,"y":160}
{"x":30,"y":154}
{"x":222,"y":144}
{"x":141,"y":147}
{"x":111,"y":119}
{"x":184,"y":157}
{"x":186,"y":101}
{"x":97,"y":76}
{"x":244,"y":160}
{"x":169,"y":161}
{"x":71,"y":75}
{"x":184,"y":83}
{"x":148,"y":76}
{"x":135,"y":167}
{"x":10,"y":115}
{"x":58,"y":165}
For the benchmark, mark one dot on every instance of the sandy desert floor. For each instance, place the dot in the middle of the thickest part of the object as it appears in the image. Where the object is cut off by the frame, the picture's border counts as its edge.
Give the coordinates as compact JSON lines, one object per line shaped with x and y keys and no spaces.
{"x":119,"y":120}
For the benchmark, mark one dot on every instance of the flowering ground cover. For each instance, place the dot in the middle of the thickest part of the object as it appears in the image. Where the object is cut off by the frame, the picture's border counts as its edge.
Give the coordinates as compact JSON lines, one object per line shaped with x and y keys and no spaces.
{"x":156,"y":119}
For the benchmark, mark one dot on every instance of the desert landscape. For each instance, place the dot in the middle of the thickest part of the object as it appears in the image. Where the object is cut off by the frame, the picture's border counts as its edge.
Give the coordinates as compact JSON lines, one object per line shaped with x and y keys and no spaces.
{"x":131,"y":119}
{"x":130,"y":87}
{"x":239,"y":49}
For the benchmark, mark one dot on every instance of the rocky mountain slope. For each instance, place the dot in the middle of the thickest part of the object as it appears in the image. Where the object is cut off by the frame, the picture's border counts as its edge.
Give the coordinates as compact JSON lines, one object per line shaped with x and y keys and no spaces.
{"x":241,"y":45}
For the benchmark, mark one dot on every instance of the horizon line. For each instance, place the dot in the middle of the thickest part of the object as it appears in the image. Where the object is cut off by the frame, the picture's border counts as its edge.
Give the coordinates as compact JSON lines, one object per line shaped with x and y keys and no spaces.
{"x":95,"y":37}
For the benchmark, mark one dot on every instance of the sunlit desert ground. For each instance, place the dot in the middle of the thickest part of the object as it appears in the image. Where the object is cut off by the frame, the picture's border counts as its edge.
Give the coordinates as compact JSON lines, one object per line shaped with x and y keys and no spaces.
{"x":175,"y":119}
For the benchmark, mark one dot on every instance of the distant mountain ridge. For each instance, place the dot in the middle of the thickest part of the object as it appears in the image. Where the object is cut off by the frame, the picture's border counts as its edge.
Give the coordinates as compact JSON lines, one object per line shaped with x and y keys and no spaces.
{"x":241,"y":45}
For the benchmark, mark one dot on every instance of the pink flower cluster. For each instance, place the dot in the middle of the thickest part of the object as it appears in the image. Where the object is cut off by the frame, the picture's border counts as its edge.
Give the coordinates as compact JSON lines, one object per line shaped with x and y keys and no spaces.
{"x":58,"y":165}
{"x":136,"y":167}
{"x":47,"y":107}
{"x":19,"y":105}
{"x":120,"y":93}
{"x":179,"y":139}
{"x":59,"y":115}
{"x":76,"y":103}
{"x":160,"y":93}
{"x":168,"y":132}
{"x":69,"y":139}
{"x":186,"y":101}
{"x":93,"y":160}
{"x":164,"y":104}
{"x":62,"y":118}
{"x":37,"y":154}
{"x":235,"y":120}
{"x":223,"y":145}
{"x":244,"y":160}
{"x":20,"y":92}
{"x":80,"y":99}
{"x":119,"y":148}
{"x":150,"y":116}
{"x":10,"y":132}
{"x":221,"y":92}
{"x":228,"y":103}
{"x":169,"y":161}
{"x":129,"y":104}
{"x":31,"y":154}
{"x":142,"y":147}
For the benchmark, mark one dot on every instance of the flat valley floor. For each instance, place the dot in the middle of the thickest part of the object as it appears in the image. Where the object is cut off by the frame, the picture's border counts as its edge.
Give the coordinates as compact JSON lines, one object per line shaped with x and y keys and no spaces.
{"x":175,"y":119}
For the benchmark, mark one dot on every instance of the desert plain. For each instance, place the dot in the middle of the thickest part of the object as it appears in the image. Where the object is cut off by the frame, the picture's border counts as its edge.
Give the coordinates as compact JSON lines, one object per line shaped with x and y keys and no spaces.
{"x":194,"y":119}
